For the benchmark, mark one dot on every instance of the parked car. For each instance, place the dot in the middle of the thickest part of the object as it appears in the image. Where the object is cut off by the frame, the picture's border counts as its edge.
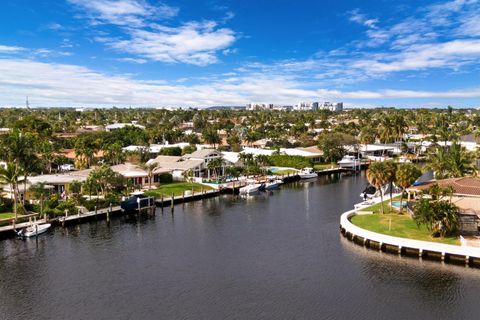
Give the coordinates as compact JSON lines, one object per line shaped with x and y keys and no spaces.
{"x":67,"y":167}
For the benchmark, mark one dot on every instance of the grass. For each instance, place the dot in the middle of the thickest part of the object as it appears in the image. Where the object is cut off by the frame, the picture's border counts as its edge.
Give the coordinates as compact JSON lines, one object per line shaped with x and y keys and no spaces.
{"x":285,"y":172}
{"x":177,"y":188}
{"x":323,"y":166}
{"x":402,"y":226}
{"x":7,"y":215}
{"x":376,"y":208}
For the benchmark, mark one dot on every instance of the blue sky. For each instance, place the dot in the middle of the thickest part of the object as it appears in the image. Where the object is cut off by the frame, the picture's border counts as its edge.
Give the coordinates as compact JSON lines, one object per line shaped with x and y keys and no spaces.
{"x":208,"y":52}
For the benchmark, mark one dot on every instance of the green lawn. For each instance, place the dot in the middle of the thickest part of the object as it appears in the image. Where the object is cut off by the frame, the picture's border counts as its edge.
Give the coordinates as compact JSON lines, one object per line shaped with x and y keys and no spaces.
{"x":285,"y":172}
{"x":323,"y":166}
{"x":7,"y":215}
{"x":376,"y":208}
{"x":401,"y":226}
{"x":176,"y":188}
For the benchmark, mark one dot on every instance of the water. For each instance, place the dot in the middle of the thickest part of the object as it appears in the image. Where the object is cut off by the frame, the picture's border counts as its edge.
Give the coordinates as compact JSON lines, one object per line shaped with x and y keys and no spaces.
{"x":277,"y":256}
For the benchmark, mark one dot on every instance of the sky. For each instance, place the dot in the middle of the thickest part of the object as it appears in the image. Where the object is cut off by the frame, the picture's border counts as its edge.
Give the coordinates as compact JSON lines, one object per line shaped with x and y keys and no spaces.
{"x":197,"y":53}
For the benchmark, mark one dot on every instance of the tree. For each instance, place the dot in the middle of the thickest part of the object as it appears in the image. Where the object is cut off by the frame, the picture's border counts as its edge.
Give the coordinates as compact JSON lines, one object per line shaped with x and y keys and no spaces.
{"x":101,"y":179}
{"x":406,"y":175}
{"x":215,"y":164}
{"x":10,"y":175}
{"x":333,"y":145}
{"x":451,"y":162}
{"x":377,"y":176}
{"x":390,"y":169}
{"x":439,"y":216}
{"x":211,"y":136}
{"x":40,"y":192}
{"x":150,"y":168}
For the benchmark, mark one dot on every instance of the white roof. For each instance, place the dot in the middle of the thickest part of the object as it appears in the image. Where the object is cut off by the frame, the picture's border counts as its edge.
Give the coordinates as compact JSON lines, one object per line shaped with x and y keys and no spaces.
{"x":299,"y":152}
{"x":230,"y":156}
{"x":122,"y":125}
{"x":258,"y":151}
{"x":61,"y":178}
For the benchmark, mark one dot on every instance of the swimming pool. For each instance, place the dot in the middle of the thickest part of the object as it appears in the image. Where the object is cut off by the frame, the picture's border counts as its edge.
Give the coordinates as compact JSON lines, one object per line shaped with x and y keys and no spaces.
{"x":396,"y":204}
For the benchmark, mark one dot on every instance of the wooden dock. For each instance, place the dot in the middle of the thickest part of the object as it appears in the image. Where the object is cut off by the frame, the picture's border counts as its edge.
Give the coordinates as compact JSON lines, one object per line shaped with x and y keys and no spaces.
{"x":14,"y":226}
{"x":104,"y":213}
{"x":167,"y":200}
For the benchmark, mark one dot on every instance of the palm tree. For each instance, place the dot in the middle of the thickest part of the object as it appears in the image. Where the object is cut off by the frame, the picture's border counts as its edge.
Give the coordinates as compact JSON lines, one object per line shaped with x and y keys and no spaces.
{"x":405,"y":176}
{"x":453,"y":162}
{"x":40,"y":192}
{"x":390,"y":169}
{"x":215,"y":164}
{"x":460,"y":161}
{"x":10,"y":175}
{"x":150,"y":168}
{"x":377,"y":176}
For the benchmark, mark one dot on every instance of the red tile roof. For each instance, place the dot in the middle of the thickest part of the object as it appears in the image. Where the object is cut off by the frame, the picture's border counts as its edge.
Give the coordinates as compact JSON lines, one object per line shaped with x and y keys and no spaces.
{"x":465,"y":186}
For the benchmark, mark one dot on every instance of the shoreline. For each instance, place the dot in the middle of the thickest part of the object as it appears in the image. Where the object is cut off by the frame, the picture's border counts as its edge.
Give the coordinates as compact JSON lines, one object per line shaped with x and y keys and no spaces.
{"x":469,"y":256}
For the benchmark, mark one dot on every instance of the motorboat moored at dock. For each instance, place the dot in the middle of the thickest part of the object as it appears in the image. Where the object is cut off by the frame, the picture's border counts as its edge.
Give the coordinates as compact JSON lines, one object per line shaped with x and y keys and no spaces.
{"x":307,"y":173}
{"x":34,"y":230}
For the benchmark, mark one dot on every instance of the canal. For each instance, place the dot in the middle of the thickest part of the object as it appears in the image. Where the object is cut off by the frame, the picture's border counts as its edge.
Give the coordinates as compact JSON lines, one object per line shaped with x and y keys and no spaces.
{"x":278,"y":255}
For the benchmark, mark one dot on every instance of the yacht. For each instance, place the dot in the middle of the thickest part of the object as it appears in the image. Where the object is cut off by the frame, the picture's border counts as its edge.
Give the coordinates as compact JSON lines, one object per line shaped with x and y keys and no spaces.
{"x":307,"y":173}
{"x":349,"y":162}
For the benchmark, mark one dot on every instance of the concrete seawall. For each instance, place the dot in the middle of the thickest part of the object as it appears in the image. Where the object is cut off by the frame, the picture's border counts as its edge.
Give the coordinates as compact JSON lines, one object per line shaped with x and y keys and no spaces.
{"x":423,"y":249}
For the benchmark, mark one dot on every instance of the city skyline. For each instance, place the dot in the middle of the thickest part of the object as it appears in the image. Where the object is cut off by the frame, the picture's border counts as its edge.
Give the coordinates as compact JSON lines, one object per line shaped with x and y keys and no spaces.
{"x":205,"y":53}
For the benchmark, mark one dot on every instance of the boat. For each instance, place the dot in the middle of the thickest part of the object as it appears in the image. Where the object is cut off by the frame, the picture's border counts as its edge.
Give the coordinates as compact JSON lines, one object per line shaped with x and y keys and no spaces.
{"x":404,"y":160}
{"x":349,"y":162}
{"x":307,"y":173}
{"x":136,"y":198}
{"x":250,"y":188}
{"x":34,"y":230}
{"x":273,"y":184}
{"x":369,"y":192}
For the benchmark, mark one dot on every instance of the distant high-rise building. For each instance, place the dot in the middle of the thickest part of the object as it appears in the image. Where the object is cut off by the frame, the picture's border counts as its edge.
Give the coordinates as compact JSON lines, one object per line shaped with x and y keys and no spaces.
{"x":259,"y":106}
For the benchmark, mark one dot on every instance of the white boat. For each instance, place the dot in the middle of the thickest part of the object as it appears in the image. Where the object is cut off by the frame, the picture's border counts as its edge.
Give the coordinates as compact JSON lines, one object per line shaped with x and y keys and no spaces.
{"x":34,"y":230}
{"x":273,"y":184}
{"x":404,"y":160}
{"x":250,"y":188}
{"x":307,"y":173}
{"x":349,"y":162}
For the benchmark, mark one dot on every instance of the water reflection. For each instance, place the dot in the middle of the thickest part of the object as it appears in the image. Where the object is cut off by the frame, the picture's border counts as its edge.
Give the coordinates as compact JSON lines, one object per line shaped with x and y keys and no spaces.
{"x":277,"y":255}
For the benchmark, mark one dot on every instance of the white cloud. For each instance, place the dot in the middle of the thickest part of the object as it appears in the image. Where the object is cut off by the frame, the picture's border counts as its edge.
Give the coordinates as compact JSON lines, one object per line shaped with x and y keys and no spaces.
{"x":133,"y":60}
{"x":452,"y":54}
{"x":10,"y":49}
{"x":50,"y":84}
{"x":193,"y":43}
{"x":356,"y":16}
{"x":123,"y":12}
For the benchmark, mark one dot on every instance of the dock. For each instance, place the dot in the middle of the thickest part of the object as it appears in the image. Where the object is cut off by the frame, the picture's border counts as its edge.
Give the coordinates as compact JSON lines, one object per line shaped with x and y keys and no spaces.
{"x":14,"y":226}
{"x":167,"y":200}
{"x":104,"y":213}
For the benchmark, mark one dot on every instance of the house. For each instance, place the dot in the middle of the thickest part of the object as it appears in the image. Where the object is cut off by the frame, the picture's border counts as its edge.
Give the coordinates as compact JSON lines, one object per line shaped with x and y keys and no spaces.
{"x":61,"y":181}
{"x":466,"y":196}
{"x":178,"y":166}
{"x":204,"y":155}
{"x":312,"y":153}
{"x":137,"y":174}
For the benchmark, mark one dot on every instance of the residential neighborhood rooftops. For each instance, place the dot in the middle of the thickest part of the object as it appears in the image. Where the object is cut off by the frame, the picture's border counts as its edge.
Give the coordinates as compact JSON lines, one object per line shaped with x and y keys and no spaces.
{"x":201,"y":154}
{"x":469,"y":186}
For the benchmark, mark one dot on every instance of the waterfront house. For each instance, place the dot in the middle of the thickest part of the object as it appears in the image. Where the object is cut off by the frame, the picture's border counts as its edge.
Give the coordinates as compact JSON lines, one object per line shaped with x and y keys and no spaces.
{"x":138,"y":175}
{"x":178,"y":166}
{"x":205,"y":156}
{"x":466,"y":196}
